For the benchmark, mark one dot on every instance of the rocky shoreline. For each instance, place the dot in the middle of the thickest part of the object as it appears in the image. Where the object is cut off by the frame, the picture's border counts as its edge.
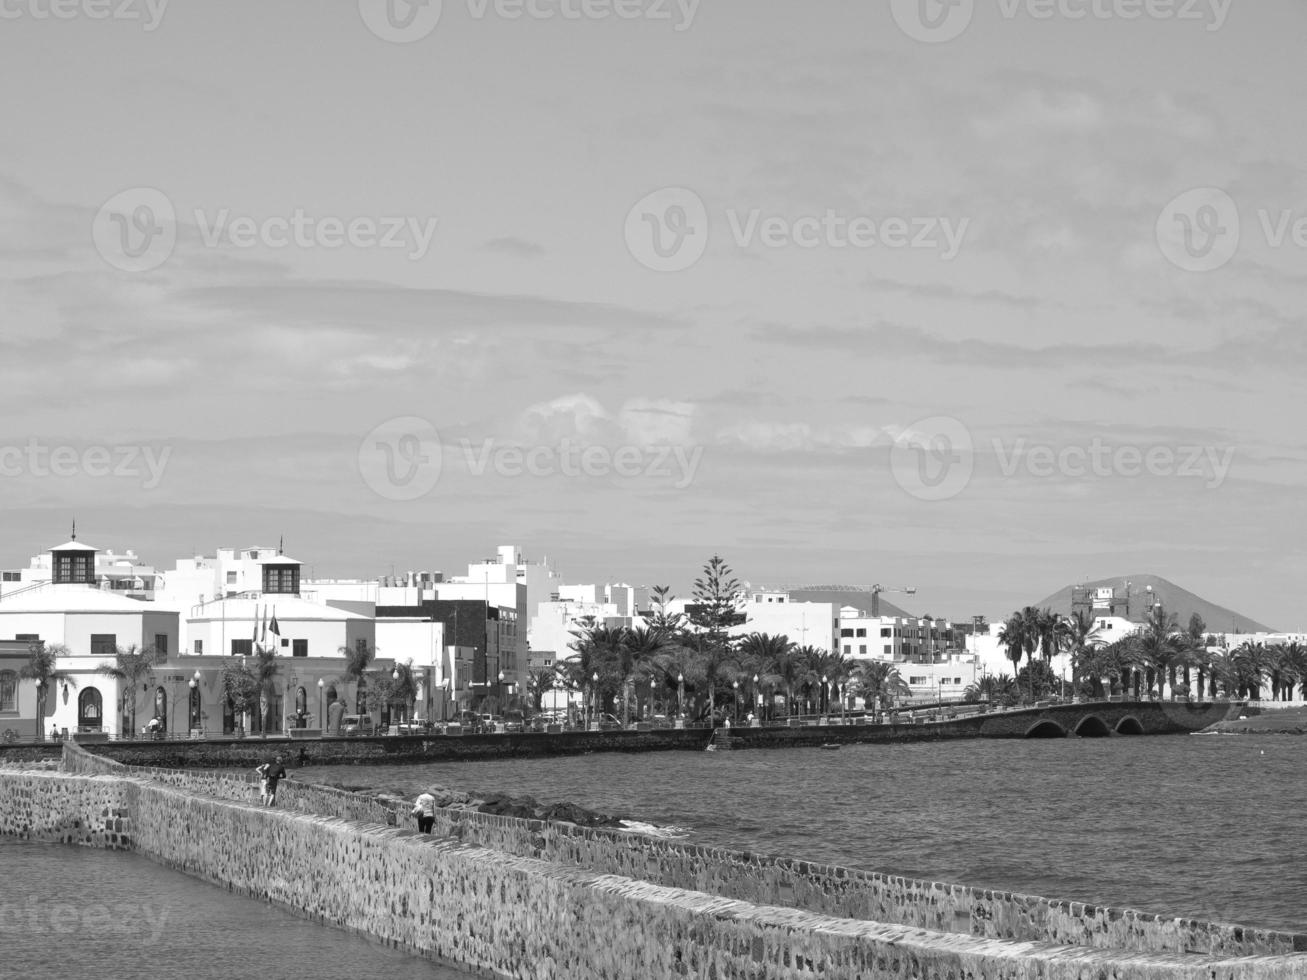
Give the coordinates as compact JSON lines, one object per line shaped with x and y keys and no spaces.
{"x":1287,"y":721}
{"x":501,"y":804}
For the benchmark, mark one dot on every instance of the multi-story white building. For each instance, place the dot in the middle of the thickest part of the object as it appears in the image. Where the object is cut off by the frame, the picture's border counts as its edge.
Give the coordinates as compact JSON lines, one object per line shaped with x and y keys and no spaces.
{"x":124,"y":574}
{"x":90,"y":624}
{"x":812,"y":624}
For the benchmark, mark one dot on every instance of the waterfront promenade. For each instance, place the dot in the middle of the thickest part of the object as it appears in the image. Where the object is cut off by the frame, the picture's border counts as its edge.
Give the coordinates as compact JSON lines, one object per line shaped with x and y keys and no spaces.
{"x":1095,"y":719}
{"x":620,"y":905}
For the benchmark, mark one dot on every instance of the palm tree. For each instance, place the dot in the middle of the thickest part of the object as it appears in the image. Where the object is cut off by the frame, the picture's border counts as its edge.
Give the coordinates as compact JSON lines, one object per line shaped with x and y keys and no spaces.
{"x":1159,"y":646}
{"x":1295,"y":661}
{"x":879,"y":682}
{"x":43,"y":667}
{"x":640,"y":649}
{"x":130,"y":667}
{"x":1082,"y":635}
{"x":994,"y":688}
{"x":538,"y":681}
{"x":357,"y":659}
{"x":1251,"y":662}
{"x":1015,"y":636}
{"x":264,"y":667}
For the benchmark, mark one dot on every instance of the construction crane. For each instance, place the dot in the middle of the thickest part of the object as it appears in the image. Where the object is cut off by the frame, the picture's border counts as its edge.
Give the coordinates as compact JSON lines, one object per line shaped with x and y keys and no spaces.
{"x":875,"y":591}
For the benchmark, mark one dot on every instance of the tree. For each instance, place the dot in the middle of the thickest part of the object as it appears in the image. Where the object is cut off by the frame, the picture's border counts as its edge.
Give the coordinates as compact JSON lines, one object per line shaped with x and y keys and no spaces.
{"x":265,"y":668}
{"x":715,"y":595}
{"x":669,"y":623}
{"x":43,"y":667}
{"x":1159,"y":645}
{"x":1082,"y":634}
{"x":357,"y":659}
{"x":1015,"y":638}
{"x":241,"y":687}
{"x":1039,"y":678}
{"x":879,"y":683}
{"x":994,"y":688}
{"x":538,"y":681}
{"x":131,"y":668}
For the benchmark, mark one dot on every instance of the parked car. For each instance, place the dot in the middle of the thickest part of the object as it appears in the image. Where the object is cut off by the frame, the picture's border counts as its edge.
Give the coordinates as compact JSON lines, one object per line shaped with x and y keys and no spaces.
{"x":514,"y":721}
{"x":357,"y":725}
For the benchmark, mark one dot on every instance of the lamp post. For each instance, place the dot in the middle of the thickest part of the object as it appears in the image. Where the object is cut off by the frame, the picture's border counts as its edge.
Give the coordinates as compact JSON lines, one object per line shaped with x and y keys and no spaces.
{"x":40,"y":708}
{"x":757,"y":698}
{"x":594,"y":698}
{"x":499,"y":692}
{"x":735,"y":685}
{"x":190,"y":706}
{"x":825,"y":695}
{"x":394,"y":676}
{"x":320,"y":686}
{"x":680,"y":695}
{"x":652,"y":706}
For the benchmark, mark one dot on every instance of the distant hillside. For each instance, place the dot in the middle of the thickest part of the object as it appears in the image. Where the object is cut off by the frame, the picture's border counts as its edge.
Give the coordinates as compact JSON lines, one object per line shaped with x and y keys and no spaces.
{"x":859,"y":600}
{"x":1175,"y":599}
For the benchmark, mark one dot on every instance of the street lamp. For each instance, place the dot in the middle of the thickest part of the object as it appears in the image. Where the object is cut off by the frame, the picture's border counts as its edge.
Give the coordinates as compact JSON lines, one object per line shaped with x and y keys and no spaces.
{"x":680,"y":695}
{"x":196,"y":721}
{"x":190,"y":704}
{"x":757,"y":698}
{"x":736,"y":686}
{"x":40,"y":708}
{"x":592,"y":706}
{"x":500,"y":692}
{"x":825,"y":695}
{"x":652,"y":706}
{"x":320,"y":686}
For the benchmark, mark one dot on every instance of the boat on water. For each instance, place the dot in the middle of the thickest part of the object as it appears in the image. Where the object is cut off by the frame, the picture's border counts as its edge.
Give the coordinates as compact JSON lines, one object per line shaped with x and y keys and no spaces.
{"x":830,"y":745}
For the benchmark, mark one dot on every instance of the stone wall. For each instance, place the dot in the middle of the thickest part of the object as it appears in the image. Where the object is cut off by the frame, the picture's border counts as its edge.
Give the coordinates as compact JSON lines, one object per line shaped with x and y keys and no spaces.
{"x":49,"y":806}
{"x":509,"y":897}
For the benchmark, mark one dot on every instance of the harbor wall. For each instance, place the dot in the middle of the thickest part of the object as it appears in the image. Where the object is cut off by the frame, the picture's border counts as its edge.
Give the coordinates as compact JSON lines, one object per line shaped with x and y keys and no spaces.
{"x":504,"y":915}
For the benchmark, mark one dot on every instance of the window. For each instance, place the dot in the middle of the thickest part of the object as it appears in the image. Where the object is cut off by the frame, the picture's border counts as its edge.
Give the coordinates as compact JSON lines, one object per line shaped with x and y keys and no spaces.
{"x":300,"y":649}
{"x":361,"y":645}
{"x":889,"y":648}
{"x":104,"y":644}
{"x":862,"y":648}
{"x":285,"y":642}
{"x":8,"y":690}
{"x":957,"y":680}
{"x":161,"y":644}
{"x":848,"y":648}
{"x":73,"y":568}
{"x":231,"y":578}
{"x":846,"y":632}
{"x":918,"y":680}
{"x":862,"y":631}
{"x":281,"y":579}
{"x":199,"y":647}
{"x":11,"y":576}
{"x":242,"y":648}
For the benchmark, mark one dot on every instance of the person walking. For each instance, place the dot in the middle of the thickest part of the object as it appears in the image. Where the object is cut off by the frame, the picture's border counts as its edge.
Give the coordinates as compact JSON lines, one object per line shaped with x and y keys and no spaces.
{"x":424,"y":808}
{"x":271,"y":773}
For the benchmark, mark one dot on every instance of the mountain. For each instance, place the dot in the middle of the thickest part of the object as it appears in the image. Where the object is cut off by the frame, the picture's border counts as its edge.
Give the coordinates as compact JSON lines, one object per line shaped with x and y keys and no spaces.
{"x":1174,"y":599}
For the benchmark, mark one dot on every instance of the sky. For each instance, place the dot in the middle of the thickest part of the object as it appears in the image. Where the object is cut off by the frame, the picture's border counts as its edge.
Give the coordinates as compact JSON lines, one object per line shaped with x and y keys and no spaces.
{"x":985,"y":297}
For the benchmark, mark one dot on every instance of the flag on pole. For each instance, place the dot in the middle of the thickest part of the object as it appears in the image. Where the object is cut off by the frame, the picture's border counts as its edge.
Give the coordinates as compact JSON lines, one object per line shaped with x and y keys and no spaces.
{"x":264,"y":638}
{"x":273,"y":628}
{"x":254,"y":635}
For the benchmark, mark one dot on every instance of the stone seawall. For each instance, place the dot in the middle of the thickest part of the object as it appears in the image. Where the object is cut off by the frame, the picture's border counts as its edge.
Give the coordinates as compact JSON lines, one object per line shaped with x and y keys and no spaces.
{"x":520,"y":898}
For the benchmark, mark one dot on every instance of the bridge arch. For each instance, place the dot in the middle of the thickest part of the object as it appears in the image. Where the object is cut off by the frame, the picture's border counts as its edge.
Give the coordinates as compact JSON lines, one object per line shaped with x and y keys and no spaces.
{"x":1045,"y":728}
{"x":1129,"y":725}
{"x":1092,"y":726}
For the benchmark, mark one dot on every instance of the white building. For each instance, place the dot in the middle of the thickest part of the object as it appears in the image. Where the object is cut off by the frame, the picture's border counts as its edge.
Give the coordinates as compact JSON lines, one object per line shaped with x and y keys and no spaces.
{"x":72,"y":611}
{"x":812,"y":624}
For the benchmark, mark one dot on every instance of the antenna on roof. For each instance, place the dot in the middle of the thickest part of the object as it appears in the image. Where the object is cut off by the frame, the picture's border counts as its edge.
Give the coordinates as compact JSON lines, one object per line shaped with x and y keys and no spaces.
{"x":280,"y":542}
{"x":74,"y":528}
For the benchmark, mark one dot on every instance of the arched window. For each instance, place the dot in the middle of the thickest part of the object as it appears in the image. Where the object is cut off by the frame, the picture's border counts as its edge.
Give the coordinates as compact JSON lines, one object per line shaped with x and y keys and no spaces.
{"x":90,"y":709}
{"x":301,"y":700}
{"x":8,"y":690}
{"x":161,"y":708}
